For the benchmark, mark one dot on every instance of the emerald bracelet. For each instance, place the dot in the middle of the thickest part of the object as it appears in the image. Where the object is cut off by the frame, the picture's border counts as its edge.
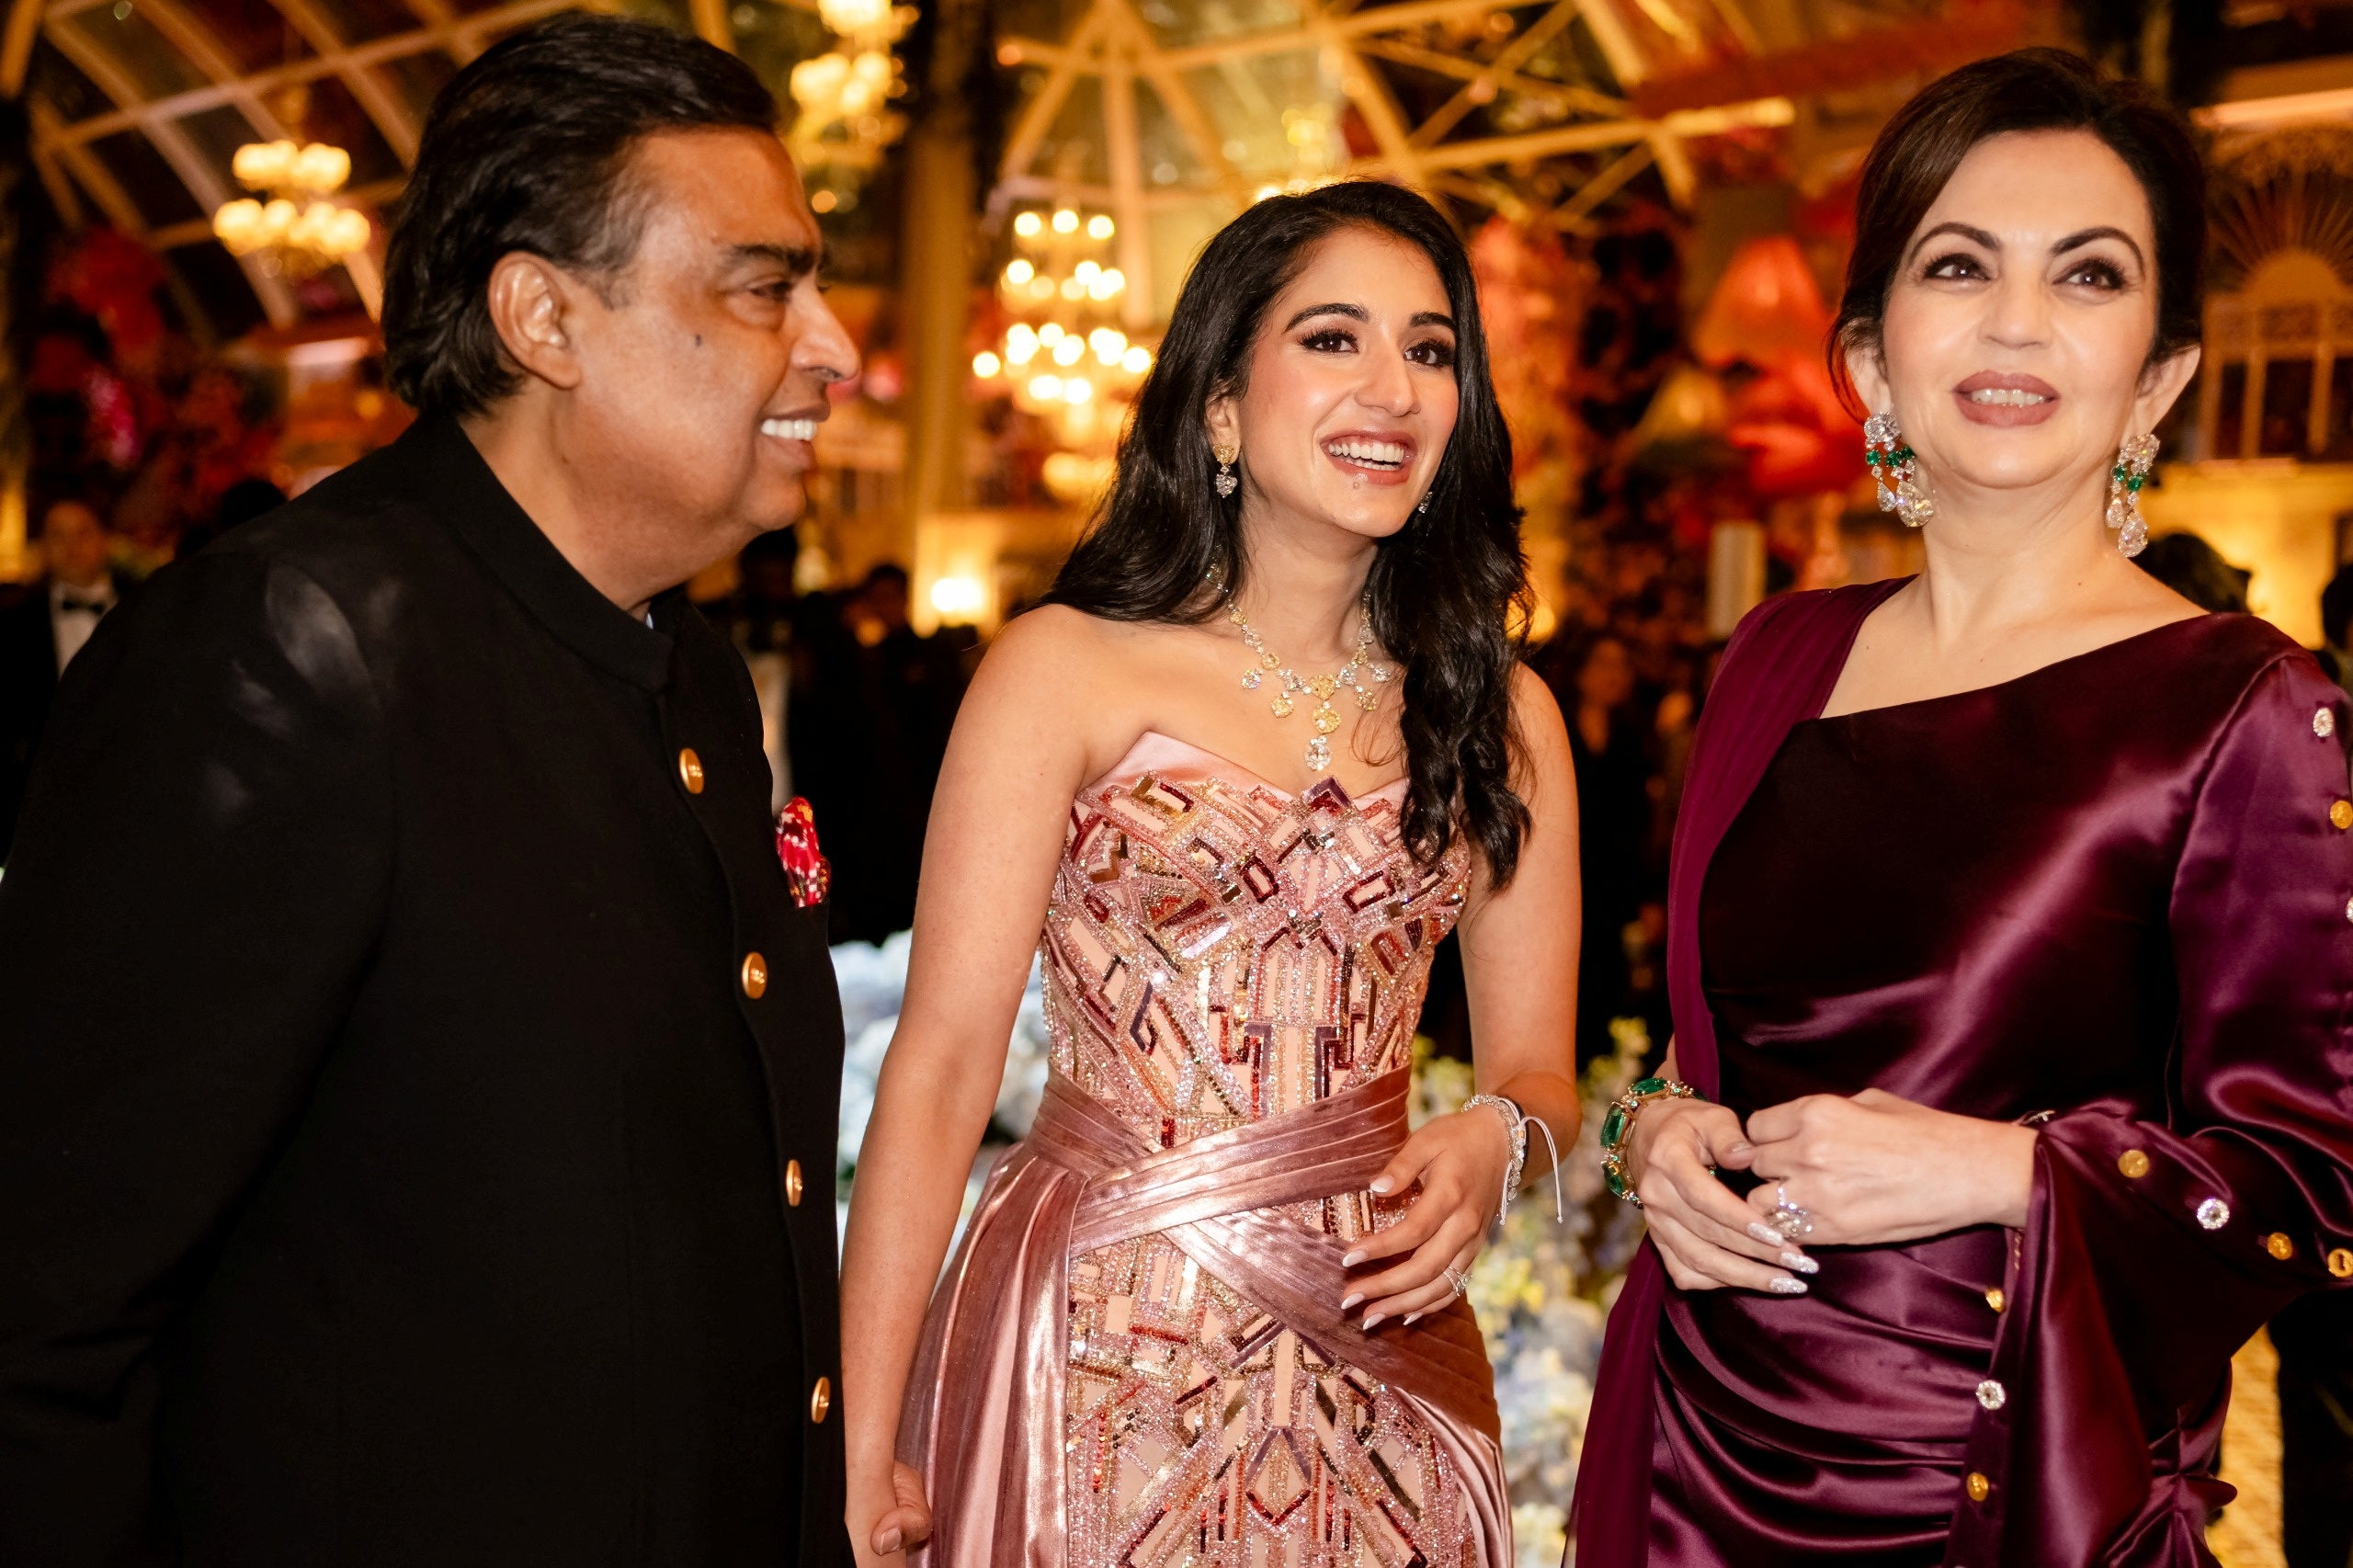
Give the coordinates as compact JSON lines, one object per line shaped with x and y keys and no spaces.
{"x":1619,"y":1126}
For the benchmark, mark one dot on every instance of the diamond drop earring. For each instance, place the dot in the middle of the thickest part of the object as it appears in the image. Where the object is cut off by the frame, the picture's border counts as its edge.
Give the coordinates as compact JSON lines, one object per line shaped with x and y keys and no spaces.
{"x":1894,"y":466}
{"x":2124,"y":482}
{"x":1225,"y":452}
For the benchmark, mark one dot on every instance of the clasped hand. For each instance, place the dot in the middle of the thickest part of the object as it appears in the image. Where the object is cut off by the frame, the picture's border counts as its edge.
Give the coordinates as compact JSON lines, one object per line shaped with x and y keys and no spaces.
{"x":1865,"y":1169}
{"x":1459,"y":1159}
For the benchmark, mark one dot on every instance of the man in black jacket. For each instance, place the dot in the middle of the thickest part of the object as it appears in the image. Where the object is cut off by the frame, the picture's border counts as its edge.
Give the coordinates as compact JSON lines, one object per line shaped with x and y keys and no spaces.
{"x":417,"y":1074}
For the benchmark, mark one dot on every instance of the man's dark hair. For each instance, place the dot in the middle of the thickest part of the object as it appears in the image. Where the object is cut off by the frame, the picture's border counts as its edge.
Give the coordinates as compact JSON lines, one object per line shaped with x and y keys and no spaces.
{"x":527,"y":149}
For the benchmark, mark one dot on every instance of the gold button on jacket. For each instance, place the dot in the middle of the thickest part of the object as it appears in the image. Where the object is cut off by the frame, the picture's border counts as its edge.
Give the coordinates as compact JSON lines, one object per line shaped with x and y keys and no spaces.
{"x":2340,"y":815}
{"x":2279,"y":1246}
{"x":1997,"y":1298}
{"x":755,"y":976}
{"x":792,"y":1183}
{"x":2340,"y":1263}
{"x":690,"y":770}
{"x":1980,"y":1488}
{"x":2134,"y":1164}
{"x":821,"y":1400}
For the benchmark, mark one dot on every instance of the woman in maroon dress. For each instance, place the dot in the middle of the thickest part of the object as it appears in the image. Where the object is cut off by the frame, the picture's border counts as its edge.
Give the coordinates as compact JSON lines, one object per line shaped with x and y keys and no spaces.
{"x":2011,"y":954}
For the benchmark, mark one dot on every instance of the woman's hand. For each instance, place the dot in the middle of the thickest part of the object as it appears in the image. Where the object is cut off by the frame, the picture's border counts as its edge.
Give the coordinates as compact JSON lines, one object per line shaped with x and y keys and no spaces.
{"x":1876,"y":1168}
{"x":1708,"y":1237}
{"x":1459,"y":1159}
{"x":892,"y":1523}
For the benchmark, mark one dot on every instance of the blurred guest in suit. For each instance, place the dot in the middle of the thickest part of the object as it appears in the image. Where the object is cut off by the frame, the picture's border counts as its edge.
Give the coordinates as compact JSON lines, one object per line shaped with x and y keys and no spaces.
{"x":867,"y":737}
{"x":2335,"y":652}
{"x":240,"y":502}
{"x":42,"y":628}
{"x":2196,"y":570}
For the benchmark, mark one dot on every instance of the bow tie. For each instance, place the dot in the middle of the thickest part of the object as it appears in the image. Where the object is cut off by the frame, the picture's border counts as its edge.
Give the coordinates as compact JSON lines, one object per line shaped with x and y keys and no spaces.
{"x":69,"y":604}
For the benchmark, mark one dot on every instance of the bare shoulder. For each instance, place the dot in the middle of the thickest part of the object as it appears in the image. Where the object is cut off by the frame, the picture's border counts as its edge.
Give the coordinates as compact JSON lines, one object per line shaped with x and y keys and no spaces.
{"x":1533,"y":705}
{"x":1066,"y":683}
{"x":1543,"y":733}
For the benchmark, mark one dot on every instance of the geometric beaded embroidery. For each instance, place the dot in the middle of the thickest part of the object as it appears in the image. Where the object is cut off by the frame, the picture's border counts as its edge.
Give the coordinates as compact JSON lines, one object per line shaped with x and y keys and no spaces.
{"x":1217,"y":952}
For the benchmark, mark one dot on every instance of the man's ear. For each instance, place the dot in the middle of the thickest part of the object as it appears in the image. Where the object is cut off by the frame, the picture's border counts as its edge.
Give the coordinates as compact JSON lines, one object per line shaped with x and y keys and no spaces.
{"x":534,"y":308}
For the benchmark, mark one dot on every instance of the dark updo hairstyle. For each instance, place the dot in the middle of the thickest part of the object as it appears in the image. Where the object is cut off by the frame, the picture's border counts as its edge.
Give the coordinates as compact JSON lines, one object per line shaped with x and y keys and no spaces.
{"x":1442,"y":590}
{"x":527,"y":149}
{"x":2030,"y":89}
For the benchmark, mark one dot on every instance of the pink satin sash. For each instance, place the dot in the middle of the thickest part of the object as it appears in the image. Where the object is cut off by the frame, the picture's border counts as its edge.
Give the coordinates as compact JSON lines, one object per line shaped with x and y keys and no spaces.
{"x":984,"y":1416}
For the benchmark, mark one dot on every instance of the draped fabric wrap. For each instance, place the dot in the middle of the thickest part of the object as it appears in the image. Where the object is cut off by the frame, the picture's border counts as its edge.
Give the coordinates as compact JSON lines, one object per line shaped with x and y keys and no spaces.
{"x":1757,"y":697}
{"x":984,"y":1418}
{"x":2113,"y":898}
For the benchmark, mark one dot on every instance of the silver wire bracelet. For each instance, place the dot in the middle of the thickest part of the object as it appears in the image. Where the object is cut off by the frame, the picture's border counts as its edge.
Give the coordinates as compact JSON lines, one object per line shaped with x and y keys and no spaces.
{"x":1516,"y":1124}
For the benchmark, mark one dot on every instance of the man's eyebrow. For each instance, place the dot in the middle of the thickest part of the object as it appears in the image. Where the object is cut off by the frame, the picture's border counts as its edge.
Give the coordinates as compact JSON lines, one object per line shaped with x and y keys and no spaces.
{"x":798,"y":261}
{"x":1354,"y":312}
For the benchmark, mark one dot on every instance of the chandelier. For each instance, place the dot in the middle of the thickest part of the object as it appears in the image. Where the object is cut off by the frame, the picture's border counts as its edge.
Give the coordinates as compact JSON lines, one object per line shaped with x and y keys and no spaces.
{"x":845,"y":96}
{"x":1063,"y":356}
{"x":296,"y":231}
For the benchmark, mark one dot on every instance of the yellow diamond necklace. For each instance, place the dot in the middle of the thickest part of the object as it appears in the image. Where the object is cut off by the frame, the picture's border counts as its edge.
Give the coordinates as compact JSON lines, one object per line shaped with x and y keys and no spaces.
{"x":1359,"y":674}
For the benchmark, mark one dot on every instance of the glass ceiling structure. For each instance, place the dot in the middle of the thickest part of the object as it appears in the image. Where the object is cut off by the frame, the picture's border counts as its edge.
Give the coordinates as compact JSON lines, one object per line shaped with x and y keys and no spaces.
{"x":1168,"y":113}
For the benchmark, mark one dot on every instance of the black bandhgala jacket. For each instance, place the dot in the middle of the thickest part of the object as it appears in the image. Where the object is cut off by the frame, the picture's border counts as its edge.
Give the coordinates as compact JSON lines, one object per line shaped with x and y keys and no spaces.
{"x":402,"y":1160}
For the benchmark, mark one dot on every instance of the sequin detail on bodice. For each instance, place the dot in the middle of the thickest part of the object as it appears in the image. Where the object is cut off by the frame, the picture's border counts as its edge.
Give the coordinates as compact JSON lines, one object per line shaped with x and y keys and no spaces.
{"x":1217,"y":952}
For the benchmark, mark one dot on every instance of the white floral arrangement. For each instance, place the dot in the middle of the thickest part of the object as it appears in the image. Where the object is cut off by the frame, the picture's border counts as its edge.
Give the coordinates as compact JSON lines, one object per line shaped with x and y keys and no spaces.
{"x":1540,"y":1289}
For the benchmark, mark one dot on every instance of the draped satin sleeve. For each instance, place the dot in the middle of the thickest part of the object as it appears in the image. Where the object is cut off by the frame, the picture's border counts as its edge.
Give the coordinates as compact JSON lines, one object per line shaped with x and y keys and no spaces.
{"x":2154,"y":1248}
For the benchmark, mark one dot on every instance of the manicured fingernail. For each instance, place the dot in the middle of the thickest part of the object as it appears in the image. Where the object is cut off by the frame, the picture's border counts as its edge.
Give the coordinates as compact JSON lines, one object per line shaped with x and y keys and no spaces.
{"x":1410,"y":1319}
{"x":1349,"y":1305}
{"x":1766,"y":1233}
{"x":1381,"y":1185}
{"x":1799,"y":1261}
{"x":1352,"y":1260}
{"x":1782,"y":1285}
{"x":1370,"y":1319}
{"x":889,"y":1543}
{"x":1742,"y":1147}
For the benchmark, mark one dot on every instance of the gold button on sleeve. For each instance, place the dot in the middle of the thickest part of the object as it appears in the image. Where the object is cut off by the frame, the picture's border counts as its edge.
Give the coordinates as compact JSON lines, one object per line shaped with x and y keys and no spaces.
{"x":2340,"y":1263}
{"x":690,"y":770}
{"x":2340,"y":815}
{"x":821,"y":1400}
{"x":755,"y":976}
{"x":2134,"y":1164}
{"x":792,"y":1183}
{"x":2279,"y":1244}
{"x":1980,"y":1488}
{"x":1998,"y":1299}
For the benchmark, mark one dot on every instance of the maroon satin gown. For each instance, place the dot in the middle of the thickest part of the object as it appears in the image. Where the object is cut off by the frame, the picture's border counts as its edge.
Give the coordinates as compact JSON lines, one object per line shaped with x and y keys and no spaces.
{"x":2116,"y":894}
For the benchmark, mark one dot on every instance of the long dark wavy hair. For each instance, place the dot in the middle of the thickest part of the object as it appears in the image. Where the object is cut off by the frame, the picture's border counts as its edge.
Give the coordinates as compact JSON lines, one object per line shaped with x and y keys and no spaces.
{"x":1443,"y":590}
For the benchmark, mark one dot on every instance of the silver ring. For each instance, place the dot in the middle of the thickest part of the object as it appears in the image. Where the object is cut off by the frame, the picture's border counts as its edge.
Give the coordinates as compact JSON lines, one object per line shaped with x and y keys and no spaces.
{"x":1459,"y":1280}
{"x":1791,"y":1220}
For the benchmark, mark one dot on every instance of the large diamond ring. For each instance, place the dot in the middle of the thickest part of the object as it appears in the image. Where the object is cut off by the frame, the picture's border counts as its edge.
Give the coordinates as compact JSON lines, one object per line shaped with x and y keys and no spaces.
{"x":1790,"y":1219}
{"x":1459,"y":1279}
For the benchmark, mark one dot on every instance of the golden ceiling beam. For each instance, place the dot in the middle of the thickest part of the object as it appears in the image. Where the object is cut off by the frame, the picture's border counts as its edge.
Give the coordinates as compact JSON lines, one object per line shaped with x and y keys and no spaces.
{"x":17,"y":45}
{"x":204,"y":182}
{"x":712,"y":25}
{"x":393,"y":120}
{"x":1484,"y":82}
{"x":462,"y":38}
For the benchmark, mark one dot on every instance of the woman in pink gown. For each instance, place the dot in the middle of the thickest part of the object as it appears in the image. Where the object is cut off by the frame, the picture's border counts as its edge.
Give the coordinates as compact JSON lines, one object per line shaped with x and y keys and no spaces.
{"x":2012,"y":936}
{"x":1264,"y":747}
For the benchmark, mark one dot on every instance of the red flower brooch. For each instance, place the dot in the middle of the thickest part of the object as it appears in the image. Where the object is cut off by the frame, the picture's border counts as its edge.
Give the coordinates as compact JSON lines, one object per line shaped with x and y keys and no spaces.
{"x":806,"y":872}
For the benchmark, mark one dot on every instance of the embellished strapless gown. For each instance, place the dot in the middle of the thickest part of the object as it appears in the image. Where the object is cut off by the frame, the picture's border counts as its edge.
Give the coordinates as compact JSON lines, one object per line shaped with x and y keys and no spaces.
{"x":1138,"y":1357}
